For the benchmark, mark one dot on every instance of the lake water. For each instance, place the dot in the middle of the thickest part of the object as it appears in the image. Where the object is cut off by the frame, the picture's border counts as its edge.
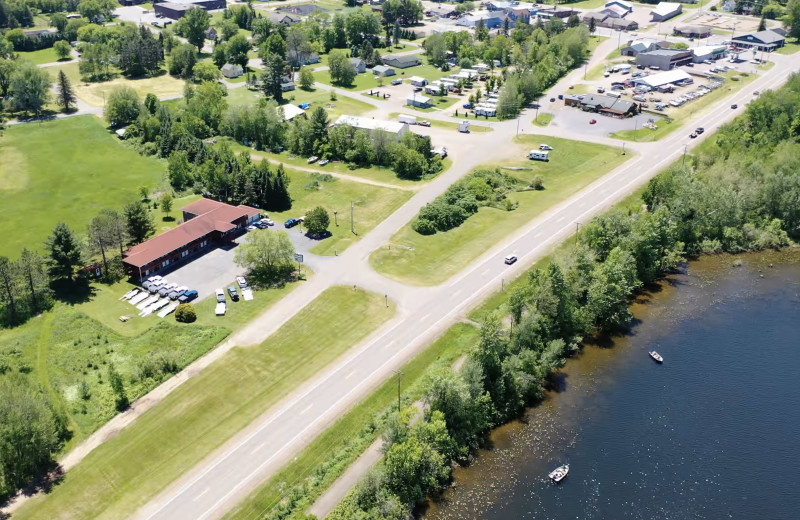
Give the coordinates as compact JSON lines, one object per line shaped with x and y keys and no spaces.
{"x":712,"y":433}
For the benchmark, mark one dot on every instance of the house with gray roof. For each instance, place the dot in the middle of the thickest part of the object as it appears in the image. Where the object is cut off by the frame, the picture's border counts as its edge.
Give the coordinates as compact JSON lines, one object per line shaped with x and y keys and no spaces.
{"x":401,"y":62}
{"x":359,"y":65}
{"x":604,"y":105}
{"x":768,"y":40}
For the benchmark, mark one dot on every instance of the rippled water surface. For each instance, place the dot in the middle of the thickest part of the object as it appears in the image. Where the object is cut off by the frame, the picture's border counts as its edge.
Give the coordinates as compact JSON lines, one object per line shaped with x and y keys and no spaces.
{"x":714,"y":432}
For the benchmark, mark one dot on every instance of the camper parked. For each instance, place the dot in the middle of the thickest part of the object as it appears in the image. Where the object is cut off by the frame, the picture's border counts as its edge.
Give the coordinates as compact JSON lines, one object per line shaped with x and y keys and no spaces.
{"x":411,"y":120}
{"x":538,"y":155}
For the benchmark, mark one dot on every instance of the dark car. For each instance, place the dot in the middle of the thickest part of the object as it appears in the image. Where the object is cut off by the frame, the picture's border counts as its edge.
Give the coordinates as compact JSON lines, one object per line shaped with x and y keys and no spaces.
{"x":292,"y":222}
{"x":699,"y":130}
{"x":468,"y":105}
{"x":232,"y":292}
{"x":734,"y":106}
{"x":187,"y":296}
{"x":552,"y":99}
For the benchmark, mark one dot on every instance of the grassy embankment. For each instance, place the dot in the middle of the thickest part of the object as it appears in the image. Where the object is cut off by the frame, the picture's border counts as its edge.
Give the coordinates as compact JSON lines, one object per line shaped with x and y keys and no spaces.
{"x":325,"y":459}
{"x":543,"y":119}
{"x":678,"y":116}
{"x":43,"y":56}
{"x":206,"y":411}
{"x":449,"y":125}
{"x":428,"y":260}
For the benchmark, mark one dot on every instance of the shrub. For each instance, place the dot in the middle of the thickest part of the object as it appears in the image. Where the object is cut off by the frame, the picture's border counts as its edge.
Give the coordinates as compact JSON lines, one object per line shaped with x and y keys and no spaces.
{"x":185,"y":313}
{"x":424,"y":226}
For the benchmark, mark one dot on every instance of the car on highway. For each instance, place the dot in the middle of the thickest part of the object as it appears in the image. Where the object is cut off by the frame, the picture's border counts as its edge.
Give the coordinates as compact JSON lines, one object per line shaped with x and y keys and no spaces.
{"x":699,"y":130}
{"x":424,"y":123}
{"x":510,"y":259}
{"x":552,"y":100}
{"x":734,"y":106}
{"x":592,"y":121}
{"x":693,"y":135}
{"x":756,"y":92}
{"x":187,"y":296}
{"x":220,"y":295}
{"x":233,"y":293}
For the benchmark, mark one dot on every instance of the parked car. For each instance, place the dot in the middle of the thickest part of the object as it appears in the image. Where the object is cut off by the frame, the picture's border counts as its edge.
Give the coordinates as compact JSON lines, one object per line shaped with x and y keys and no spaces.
{"x":232,"y":291}
{"x":313,"y":159}
{"x":552,"y":100}
{"x":510,"y":259}
{"x":600,"y":90}
{"x":165,"y":290}
{"x":424,"y":123}
{"x":187,"y":296}
{"x":155,"y":286}
{"x":220,"y":295}
{"x":545,"y":147}
{"x":292,"y":222}
{"x":305,"y":106}
{"x":252,"y":228}
{"x":397,"y":81}
{"x":259,"y":225}
{"x":177,"y":293}
{"x":268,"y":221}
{"x":241,"y":281}
{"x":323,"y":162}
{"x":468,"y":105}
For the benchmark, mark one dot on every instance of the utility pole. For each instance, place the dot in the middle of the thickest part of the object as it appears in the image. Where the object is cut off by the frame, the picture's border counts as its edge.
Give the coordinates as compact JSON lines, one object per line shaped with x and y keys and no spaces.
{"x":684,"y":154}
{"x":577,"y":229}
{"x":335,"y":220}
{"x":352,"y":222}
{"x":399,"y":377}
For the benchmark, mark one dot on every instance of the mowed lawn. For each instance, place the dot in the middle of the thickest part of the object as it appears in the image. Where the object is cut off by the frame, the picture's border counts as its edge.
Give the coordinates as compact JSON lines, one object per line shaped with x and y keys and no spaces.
{"x":65,"y":170}
{"x":429,"y":260}
{"x":203,"y":413}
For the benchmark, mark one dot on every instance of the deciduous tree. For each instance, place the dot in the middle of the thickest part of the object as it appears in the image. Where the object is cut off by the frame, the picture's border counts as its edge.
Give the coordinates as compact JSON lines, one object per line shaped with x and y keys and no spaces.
{"x":267,"y":255}
{"x":122,"y":107}
{"x":193,"y":26}
{"x":306,"y":78}
{"x":317,"y":220}
{"x":29,"y":87}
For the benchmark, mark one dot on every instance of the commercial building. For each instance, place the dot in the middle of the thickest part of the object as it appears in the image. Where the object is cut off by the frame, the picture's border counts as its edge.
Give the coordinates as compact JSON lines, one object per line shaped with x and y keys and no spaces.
{"x":709,"y":52}
{"x":176,"y":9}
{"x":619,"y":24}
{"x":394,"y":129}
{"x":418,"y":101}
{"x":692,"y":31}
{"x":666,"y":10}
{"x":636,"y":47}
{"x":768,"y":40}
{"x":664,"y":59}
{"x":621,"y":4}
{"x":604,"y":105}
{"x":671,"y":77}
{"x":207,"y":224}
{"x":491,"y":20}
{"x":615,"y":11}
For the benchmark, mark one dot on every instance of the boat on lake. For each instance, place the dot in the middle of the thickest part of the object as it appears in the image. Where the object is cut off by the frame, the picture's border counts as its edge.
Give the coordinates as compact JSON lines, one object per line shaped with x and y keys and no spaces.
{"x":559,"y":474}
{"x":655,"y":355}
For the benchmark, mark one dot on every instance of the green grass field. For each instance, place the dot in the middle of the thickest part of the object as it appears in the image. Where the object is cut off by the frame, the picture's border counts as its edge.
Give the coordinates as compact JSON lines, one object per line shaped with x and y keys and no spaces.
{"x":678,"y":116}
{"x":207,"y":410}
{"x":368,"y":80}
{"x":65,"y":170}
{"x":325,"y":459}
{"x":42,"y":56}
{"x":789,"y":48}
{"x":428,"y":260}
{"x":449,"y":125}
{"x":543,"y":119}
{"x":320,"y":97}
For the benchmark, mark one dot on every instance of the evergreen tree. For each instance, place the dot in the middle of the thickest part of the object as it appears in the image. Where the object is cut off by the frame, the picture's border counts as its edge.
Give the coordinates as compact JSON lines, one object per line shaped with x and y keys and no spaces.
{"x":66,"y":96}
{"x":592,"y":25}
{"x":139,"y":222}
{"x":274,"y":67}
{"x":279,"y":198}
{"x":319,"y":126}
{"x":762,"y":25}
{"x":396,"y":32}
{"x":65,"y":253}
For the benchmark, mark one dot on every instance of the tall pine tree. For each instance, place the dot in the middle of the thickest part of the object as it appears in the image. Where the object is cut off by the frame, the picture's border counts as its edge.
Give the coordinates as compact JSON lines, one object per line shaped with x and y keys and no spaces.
{"x":66,"y":96}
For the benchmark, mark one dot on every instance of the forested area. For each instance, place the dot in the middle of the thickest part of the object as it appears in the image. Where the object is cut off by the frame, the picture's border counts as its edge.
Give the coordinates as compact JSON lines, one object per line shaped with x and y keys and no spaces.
{"x":742,"y":192}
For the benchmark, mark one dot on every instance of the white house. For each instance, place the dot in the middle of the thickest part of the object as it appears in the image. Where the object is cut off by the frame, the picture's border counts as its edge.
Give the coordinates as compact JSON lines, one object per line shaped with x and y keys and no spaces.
{"x":395,"y":129}
{"x":666,"y":10}
{"x":620,"y":3}
{"x":359,"y":65}
{"x":231,"y":71}
{"x":291,"y":111}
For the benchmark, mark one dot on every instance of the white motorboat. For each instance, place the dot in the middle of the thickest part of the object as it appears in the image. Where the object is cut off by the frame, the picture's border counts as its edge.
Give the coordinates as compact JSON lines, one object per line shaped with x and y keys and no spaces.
{"x":656,"y":356}
{"x":559,"y":474}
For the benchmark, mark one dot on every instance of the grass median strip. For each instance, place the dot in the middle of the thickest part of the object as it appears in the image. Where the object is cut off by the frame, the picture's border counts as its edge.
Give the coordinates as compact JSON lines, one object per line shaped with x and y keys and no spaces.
{"x":201,"y":415}
{"x":431,"y":259}
{"x":301,"y":482}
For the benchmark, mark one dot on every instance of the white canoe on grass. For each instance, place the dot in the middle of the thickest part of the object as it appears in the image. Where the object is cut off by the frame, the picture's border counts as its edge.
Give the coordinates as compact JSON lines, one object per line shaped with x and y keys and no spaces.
{"x":169,"y":309}
{"x":139,"y":297}
{"x":247,"y":294}
{"x":130,"y":294}
{"x":153,"y":307}
{"x":146,"y":303}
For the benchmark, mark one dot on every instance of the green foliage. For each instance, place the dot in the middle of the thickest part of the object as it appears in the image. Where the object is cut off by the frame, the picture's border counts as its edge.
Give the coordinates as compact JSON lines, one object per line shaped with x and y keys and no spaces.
{"x":32,"y":429}
{"x":139,"y":221}
{"x":306,"y":80}
{"x":464,"y":198}
{"x":193,"y":26}
{"x":341,"y":70}
{"x":63,"y":49}
{"x":64,"y":91}
{"x":236,"y":50}
{"x":317,"y":220}
{"x":185,"y":313}
{"x":268,"y":256}
{"x":182,"y":61}
{"x":29,"y":87}
{"x":123,"y":106}
{"x":65,"y":253}
{"x":206,"y":71}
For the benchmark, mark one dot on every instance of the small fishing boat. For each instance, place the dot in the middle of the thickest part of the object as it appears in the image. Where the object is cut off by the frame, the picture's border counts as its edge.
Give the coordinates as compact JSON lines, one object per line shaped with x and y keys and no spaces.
{"x":559,"y":474}
{"x":655,"y":355}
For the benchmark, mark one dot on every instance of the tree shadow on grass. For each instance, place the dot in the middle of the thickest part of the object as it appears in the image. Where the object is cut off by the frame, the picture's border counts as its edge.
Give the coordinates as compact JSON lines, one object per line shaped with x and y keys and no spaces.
{"x":73,"y":292}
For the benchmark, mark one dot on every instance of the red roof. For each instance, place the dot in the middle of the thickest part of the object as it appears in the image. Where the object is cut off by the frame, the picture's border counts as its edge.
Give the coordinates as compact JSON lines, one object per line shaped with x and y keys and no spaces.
{"x":211,"y":216}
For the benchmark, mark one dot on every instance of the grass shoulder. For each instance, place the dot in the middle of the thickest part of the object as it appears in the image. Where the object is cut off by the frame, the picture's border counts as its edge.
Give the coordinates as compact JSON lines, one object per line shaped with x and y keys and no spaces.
{"x":449,"y":125}
{"x":207,"y":410}
{"x":431,"y":259}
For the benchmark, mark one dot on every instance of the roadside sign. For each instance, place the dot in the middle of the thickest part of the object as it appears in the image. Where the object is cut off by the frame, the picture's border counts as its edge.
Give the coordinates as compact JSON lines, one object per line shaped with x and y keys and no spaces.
{"x":298,"y":258}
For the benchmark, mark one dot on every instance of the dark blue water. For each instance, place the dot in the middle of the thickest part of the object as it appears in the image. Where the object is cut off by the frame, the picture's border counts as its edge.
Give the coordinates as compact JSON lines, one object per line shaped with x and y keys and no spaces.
{"x":712,"y":433}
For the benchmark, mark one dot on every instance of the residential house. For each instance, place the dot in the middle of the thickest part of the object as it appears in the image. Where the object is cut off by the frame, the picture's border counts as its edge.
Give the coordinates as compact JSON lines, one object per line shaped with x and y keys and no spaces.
{"x":211,"y":34}
{"x":231,"y":71}
{"x":287,"y":84}
{"x":383,"y":70}
{"x":283,"y":18}
{"x":291,"y":111}
{"x":359,"y":65}
{"x":401,"y":62}
{"x":418,"y":100}
{"x":394,"y":129}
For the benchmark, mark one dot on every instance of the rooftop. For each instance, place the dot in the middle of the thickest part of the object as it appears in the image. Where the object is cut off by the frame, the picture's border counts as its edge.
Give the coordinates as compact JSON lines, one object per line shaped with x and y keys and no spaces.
{"x":211,"y":216}
{"x":291,"y":111}
{"x":370,"y":124}
{"x":664,"y":78}
{"x":665,"y":8}
{"x":768,"y":36}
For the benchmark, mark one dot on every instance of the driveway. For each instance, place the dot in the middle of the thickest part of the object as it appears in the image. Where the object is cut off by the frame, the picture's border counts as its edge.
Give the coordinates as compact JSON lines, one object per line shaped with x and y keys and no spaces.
{"x":215,"y":269}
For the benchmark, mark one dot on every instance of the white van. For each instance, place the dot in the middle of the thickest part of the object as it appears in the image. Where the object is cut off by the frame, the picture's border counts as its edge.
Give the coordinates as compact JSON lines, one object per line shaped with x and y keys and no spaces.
{"x":537,"y":155}
{"x":510,"y":259}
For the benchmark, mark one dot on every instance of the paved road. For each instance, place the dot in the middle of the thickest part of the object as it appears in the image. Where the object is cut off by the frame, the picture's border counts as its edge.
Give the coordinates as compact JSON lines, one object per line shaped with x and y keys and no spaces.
{"x":218,"y":483}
